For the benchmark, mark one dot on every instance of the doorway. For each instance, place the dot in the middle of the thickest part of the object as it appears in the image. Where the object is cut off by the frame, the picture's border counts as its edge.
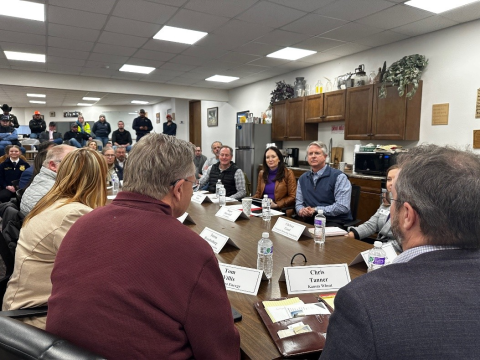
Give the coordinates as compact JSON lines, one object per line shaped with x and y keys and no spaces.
{"x":195,"y":122}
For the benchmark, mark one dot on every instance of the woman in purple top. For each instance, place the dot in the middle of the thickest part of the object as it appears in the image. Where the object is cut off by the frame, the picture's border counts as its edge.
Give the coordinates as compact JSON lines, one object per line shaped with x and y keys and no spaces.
{"x":276,"y":180}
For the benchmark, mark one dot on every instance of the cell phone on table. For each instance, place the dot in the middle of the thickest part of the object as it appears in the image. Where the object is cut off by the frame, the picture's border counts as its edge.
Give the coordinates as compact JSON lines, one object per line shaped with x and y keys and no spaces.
{"x":236,"y":315}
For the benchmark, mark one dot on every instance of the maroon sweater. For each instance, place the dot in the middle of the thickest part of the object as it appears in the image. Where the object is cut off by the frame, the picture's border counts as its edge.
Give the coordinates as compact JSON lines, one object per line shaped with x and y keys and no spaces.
{"x":141,"y":286}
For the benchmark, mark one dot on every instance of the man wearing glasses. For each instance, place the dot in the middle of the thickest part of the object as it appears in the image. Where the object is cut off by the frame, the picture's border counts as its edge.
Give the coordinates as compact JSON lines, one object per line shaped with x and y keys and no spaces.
{"x":425,"y":305}
{"x":145,"y":278}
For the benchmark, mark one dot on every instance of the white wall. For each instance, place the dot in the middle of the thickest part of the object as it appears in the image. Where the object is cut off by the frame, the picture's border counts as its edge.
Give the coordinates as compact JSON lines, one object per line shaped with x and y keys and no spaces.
{"x":449,"y":78}
{"x":224,"y":132}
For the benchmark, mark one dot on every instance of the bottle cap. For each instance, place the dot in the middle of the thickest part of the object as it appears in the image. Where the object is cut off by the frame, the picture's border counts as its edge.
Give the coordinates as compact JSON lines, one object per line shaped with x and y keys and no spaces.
{"x":264,"y":196}
{"x":377,"y":244}
{"x":265,"y":235}
{"x":320,"y":212}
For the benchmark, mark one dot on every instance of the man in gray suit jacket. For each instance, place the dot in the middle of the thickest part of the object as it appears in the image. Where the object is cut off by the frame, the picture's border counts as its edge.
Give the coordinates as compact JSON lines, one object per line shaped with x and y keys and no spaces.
{"x":426,"y":304}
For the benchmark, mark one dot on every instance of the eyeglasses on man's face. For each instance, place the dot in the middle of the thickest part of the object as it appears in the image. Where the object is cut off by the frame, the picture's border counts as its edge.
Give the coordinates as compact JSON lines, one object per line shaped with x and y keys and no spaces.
{"x":195,"y":186}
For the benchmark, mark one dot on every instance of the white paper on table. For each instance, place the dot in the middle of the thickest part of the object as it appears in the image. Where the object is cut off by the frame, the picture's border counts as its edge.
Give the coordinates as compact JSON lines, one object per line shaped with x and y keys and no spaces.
{"x":111,"y":197}
{"x":331,"y":231}
{"x":272,"y":212}
{"x":214,"y":199}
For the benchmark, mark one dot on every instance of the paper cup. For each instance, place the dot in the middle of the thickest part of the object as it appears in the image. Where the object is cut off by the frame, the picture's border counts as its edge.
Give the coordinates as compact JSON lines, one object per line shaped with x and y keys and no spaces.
{"x":247,"y":206}
{"x":342,"y":166}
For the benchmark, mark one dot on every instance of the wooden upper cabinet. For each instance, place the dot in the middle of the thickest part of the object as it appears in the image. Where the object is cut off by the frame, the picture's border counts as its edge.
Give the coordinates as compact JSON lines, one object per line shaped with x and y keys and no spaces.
{"x":295,"y":116}
{"x":288,"y":121}
{"x":279,"y":123}
{"x":358,"y":113}
{"x":328,"y":106}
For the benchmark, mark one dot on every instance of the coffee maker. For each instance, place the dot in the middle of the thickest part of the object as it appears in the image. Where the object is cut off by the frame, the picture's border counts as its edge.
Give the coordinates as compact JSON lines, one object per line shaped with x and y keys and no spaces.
{"x":292,"y":156}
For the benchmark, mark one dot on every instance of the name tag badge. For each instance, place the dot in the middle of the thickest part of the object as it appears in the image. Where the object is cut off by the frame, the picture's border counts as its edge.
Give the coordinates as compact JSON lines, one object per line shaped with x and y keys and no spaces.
{"x":290,"y":229}
{"x":389,"y":250}
{"x":241,"y":279}
{"x":216,"y":240}
{"x":231,"y":213}
{"x":314,"y":279}
{"x":384,"y":212}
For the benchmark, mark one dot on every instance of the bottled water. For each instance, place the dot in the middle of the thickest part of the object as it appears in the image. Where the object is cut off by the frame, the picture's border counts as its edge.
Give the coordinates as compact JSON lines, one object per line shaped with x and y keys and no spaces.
{"x":376,"y":257}
{"x":319,"y":231}
{"x":115,"y":183}
{"x":265,"y":255}
{"x":221,"y":195}
{"x":217,"y":186}
{"x":266,"y":208}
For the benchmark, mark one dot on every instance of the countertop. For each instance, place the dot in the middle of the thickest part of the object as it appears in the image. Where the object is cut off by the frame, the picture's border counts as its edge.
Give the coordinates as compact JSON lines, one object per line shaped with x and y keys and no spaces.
{"x":349,"y":173}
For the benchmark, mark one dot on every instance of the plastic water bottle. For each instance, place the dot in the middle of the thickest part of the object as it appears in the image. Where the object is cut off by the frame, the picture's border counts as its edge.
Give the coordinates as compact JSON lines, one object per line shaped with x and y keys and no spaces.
{"x":376,"y":256}
{"x":319,"y":231}
{"x":217,"y":186}
{"x":266,"y":208}
{"x":265,"y":255}
{"x":221,"y":196}
{"x":115,"y":183}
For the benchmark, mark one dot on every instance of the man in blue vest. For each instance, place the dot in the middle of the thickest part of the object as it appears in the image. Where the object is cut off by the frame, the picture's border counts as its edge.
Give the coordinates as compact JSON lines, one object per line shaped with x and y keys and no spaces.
{"x":323,"y":188}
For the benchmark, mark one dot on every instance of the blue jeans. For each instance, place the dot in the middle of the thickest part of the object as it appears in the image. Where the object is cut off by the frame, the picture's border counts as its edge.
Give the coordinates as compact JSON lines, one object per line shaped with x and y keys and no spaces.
{"x":103,"y":139}
{"x":75,"y":143}
{"x":58,"y":141}
{"x":34,"y":136}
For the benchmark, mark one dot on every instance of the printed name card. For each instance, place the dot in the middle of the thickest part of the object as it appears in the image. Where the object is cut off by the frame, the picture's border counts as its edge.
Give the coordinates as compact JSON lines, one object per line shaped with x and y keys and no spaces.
{"x":200,"y":198}
{"x":186,"y":217}
{"x":290,"y":229}
{"x":241,"y":279}
{"x":216,"y":240}
{"x":389,"y":249}
{"x":231,"y":213}
{"x":317,"y":278}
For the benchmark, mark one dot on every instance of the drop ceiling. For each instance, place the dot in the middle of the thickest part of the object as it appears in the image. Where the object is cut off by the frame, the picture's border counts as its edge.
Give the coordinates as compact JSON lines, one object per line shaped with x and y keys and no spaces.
{"x":93,"y":38}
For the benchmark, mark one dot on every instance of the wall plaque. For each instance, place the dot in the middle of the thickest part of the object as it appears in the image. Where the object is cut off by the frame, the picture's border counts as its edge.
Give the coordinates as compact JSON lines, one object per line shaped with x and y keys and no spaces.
{"x":440,"y":114}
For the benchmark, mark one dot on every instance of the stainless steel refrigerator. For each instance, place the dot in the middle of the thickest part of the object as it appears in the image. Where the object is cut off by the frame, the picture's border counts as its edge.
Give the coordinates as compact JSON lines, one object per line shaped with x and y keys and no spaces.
{"x":250,"y":144}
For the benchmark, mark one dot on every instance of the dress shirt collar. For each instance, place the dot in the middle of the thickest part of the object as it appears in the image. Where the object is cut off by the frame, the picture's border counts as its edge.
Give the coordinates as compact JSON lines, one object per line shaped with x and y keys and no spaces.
{"x":409,"y":254}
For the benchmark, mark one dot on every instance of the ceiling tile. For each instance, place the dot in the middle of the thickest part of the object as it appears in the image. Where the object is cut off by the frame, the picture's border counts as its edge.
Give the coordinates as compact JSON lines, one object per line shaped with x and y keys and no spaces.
{"x":29,"y":66}
{"x":221,"y":8}
{"x":144,"y":11}
{"x":182,"y":81}
{"x":165,"y":46}
{"x":170,"y":2}
{"x":204,"y":52}
{"x":194,"y":20}
{"x":22,"y":25}
{"x":351,"y":32}
{"x":108,"y":59}
{"x":197,"y":75}
{"x":424,"y":26}
{"x":175,"y":66}
{"x":304,"y":5}
{"x":65,"y":61}
{"x":242,"y":30}
{"x":342,"y":9}
{"x":189,"y":60}
{"x":114,"y":50}
{"x":29,"y":48}
{"x":70,"y":44}
{"x":318,"y":44}
{"x":23,"y":38}
{"x":385,"y":37}
{"x":238,"y":58}
{"x":265,"y":61}
{"x":126,"y":76}
{"x":166,"y":73}
{"x":154,"y":55}
{"x":102,"y":65}
{"x":270,"y":14}
{"x":132,"y":27}
{"x":145,"y":62}
{"x":320,"y":58}
{"x":90,"y":71}
{"x":251,"y":69}
{"x":70,"y":54}
{"x":464,"y":13}
{"x":64,"y":69}
{"x":221,"y":42}
{"x":314,"y":24}
{"x":348,"y":49}
{"x":395,"y":16}
{"x":257,"y":49}
{"x":95,"y":6}
{"x":122,"y":39}
{"x":71,"y":32}
{"x":78,"y":18}
{"x":282,"y":38}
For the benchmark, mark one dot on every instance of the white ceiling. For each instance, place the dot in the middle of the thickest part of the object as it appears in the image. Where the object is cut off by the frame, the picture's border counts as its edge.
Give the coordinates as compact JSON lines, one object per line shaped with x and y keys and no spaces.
{"x":94,"y":38}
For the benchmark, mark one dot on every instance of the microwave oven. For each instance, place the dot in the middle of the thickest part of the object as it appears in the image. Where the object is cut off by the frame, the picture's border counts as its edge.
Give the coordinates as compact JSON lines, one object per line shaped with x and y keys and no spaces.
{"x":374,"y":163}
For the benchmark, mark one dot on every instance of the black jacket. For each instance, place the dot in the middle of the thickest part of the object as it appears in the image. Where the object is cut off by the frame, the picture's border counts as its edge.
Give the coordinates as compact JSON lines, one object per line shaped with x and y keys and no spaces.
{"x":37,"y":126}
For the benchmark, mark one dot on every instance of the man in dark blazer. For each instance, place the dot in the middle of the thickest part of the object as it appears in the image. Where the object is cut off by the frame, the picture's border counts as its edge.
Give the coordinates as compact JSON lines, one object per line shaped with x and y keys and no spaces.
{"x":426,"y":304}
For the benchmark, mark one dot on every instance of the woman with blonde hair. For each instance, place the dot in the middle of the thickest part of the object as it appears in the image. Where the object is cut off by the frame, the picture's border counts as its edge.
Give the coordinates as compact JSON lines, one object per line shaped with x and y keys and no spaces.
{"x":112,"y":164}
{"x":92,"y":144}
{"x":79,"y":188}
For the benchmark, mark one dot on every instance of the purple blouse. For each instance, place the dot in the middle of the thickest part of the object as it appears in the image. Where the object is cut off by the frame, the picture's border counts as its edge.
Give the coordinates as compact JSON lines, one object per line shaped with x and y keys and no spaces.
{"x":270,"y":185}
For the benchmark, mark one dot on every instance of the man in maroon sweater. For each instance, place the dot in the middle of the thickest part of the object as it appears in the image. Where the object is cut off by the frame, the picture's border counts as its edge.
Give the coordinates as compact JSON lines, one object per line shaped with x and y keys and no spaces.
{"x":144,"y":286}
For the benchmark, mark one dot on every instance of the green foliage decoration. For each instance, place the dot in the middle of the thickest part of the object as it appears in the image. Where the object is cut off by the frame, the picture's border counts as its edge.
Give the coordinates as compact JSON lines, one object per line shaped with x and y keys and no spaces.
{"x":403,"y":72}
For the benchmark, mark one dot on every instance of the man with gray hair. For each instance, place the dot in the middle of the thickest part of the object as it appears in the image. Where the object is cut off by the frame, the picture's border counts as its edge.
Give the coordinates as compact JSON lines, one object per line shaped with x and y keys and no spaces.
{"x":146,"y":270}
{"x":44,"y":180}
{"x":425,"y":304}
{"x":323,"y":188}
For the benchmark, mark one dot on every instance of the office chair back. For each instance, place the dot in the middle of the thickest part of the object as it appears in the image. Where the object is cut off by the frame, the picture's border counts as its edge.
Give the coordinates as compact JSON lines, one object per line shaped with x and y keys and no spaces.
{"x":22,"y":341}
{"x":354,"y":201}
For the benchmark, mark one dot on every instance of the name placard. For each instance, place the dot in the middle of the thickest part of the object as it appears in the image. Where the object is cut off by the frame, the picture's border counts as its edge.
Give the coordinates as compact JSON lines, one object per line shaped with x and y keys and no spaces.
{"x":290,"y":229}
{"x":231,"y":213}
{"x":389,"y":249}
{"x":216,"y":240}
{"x":317,"y":278}
{"x":186,"y":217}
{"x":200,"y":198}
{"x":241,"y":279}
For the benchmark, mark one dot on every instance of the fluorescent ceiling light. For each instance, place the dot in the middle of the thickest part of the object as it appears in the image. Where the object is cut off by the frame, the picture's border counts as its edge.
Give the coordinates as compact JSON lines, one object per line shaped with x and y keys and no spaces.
{"x":36,"y":95}
{"x":137,"y":69}
{"x":37,"y":102}
{"x":90,"y":99}
{"x":139,"y":102}
{"x":84,"y":104}
{"x":132,"y":113}
{"x":23,"y":9}
{"x":222,"y":78}
{"x":184,"y":36}
{"x":13,"y":55}
{"x":289,"y":53}
{"x":438,"y":6}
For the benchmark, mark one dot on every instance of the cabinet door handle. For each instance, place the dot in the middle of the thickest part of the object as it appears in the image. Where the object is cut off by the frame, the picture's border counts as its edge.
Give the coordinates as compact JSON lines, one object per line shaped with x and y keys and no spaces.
{"x":323,"y":116}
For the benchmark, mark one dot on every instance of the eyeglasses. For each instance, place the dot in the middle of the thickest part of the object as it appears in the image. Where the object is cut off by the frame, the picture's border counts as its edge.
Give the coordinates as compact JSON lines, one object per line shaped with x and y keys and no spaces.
{"x":109,"y":155}
{"x":195,"y":186}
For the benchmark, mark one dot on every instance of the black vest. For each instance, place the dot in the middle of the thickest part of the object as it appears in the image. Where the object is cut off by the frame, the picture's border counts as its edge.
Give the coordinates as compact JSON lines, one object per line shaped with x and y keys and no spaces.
{"x":226,"y":176}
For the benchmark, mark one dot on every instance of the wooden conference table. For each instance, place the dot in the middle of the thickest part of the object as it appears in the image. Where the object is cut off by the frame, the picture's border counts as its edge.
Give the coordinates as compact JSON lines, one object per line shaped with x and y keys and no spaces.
{"x":255,"y":340}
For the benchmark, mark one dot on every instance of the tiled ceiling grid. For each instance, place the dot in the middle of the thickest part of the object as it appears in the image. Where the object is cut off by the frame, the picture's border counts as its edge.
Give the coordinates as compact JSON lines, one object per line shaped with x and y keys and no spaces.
{"x":95,"y":38}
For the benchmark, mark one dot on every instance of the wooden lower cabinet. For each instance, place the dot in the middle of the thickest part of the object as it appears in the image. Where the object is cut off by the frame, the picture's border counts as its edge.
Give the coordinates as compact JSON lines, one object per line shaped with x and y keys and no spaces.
{"x":370,"y":192}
